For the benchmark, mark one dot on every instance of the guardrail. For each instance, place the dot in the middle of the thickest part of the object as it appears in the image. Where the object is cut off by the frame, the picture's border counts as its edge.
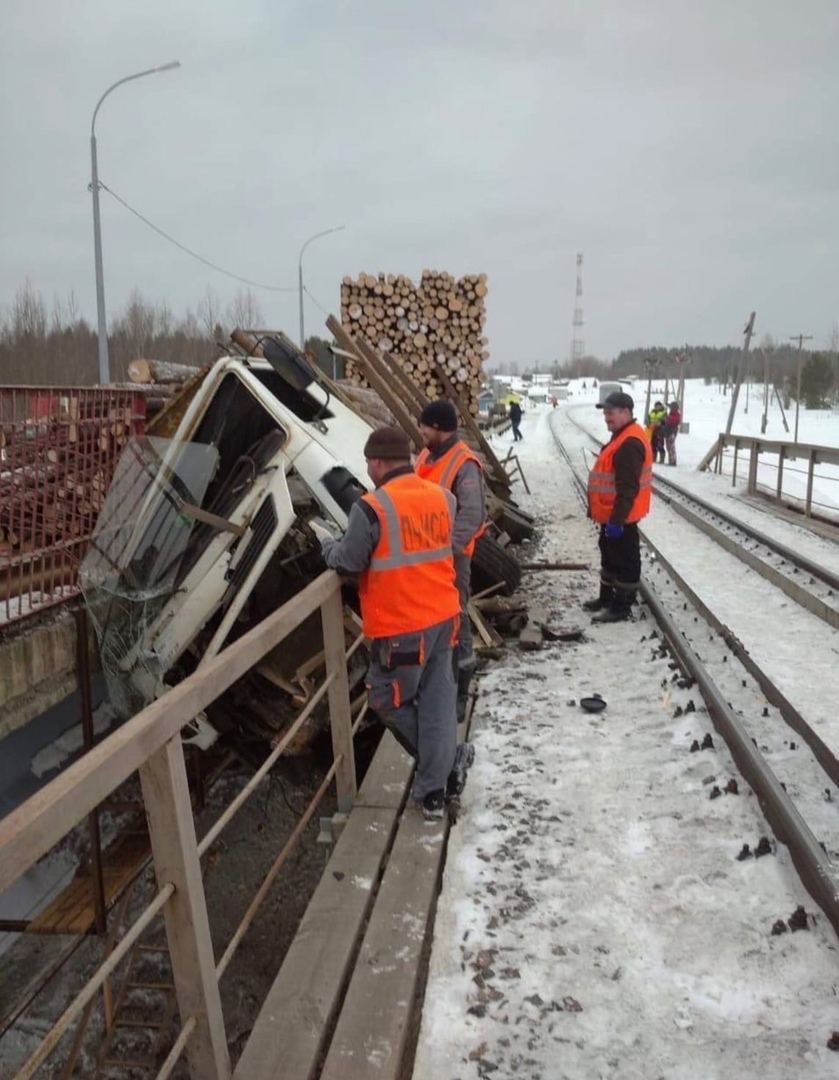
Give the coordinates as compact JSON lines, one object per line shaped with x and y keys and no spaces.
{"x":768,"y":477}
{"x":58,"y":450}
{"x":150,"y":742}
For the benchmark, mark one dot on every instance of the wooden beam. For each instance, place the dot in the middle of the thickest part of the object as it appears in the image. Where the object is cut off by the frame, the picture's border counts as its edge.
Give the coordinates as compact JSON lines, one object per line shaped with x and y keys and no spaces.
{"x":473,"y":428}
{"x":340,"y":715}
{"x":410,"y":393}
{"x":400,"y":412}
{"x":172,"y":833}
{"x":32,"y":829}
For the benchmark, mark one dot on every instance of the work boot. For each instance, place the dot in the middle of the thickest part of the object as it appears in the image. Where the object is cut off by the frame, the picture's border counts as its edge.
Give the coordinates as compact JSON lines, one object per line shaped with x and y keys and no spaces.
{"x":606,"y":597}
{"x":613,"y":614}
{"x":434,"y":806}
{"x":464,"y":755}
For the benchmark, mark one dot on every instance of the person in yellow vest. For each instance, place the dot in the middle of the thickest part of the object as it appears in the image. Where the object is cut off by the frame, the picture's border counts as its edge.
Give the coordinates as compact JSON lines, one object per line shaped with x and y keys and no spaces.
{"x":619,"y":487}
{"x":446,"y":460}
{"x":655,"y":430}
{"x":399,"y":541}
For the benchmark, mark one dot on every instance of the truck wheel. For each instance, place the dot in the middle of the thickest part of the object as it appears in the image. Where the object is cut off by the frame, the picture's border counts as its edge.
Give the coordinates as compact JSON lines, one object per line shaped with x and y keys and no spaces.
{"x":492,"y":563}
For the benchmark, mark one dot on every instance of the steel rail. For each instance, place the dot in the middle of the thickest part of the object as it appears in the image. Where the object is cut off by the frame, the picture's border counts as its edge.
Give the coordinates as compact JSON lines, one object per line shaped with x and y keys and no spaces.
{"x":813,"y":865}
{"x":801,"y":561}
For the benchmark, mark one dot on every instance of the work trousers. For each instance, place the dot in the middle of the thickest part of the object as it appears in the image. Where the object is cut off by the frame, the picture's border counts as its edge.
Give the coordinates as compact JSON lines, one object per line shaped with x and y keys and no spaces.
{"x":670,"y":440}
{"x":620,"y":566}
{"x":516,"y":424}
{"x":411,"y":685}
{"x":463,"y":579}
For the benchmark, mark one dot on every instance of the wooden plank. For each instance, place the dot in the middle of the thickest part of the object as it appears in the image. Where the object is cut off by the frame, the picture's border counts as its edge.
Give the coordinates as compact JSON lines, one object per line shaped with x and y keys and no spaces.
{"x":32,"y":829}
{"x":370,"y":1036}
{"x":73,"y":910}
{"x":172,"y":833}
{"x":400,"y":412}
{"x":287,"y":1039}
{"x":340,"y":714}
{"x":409,"y":392}
{"x":387,"y":777}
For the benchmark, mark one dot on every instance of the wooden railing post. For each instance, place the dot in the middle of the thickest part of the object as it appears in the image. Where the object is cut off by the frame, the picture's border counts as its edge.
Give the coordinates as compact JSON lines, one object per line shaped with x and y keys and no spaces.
{"x":781,"y":456}
{"x":811,"y":468}
{"x":734,"y":467}
{"x":172,"y":833}
{"x":340,"y":717}
{"x":753,"y":464}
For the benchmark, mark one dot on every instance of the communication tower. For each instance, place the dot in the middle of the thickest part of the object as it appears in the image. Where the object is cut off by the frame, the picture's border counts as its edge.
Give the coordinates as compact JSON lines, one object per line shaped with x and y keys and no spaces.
{"x":577,"y":345}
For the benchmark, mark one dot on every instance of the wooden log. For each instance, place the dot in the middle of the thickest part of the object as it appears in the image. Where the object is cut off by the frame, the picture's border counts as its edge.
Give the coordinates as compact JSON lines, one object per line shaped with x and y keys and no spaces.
{"x":159,"y":371}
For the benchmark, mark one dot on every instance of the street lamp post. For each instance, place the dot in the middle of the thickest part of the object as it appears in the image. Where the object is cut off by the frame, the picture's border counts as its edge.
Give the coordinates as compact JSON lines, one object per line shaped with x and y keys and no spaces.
{"x":104,"y":367}
{"x":317,"y":236}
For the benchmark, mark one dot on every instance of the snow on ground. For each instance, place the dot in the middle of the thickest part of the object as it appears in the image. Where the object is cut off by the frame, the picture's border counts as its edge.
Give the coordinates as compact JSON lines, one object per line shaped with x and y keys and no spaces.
{"x":594,"y":920}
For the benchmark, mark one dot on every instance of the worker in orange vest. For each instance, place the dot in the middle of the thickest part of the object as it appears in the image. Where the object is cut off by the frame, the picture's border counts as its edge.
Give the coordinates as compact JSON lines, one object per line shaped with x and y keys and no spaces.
{"x":448,"y":461}
{"x":619,"y":487}
{"x":399,"y":541}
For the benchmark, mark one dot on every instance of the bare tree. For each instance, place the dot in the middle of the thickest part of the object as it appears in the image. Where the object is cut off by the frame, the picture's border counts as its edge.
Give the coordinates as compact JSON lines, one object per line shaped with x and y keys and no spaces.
{"x":244,"y":311}
{"x":28,"y":313}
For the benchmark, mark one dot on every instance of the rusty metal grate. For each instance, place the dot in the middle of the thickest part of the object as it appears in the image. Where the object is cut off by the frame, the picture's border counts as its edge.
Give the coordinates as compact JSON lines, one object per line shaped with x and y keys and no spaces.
{"x":58,"y":450}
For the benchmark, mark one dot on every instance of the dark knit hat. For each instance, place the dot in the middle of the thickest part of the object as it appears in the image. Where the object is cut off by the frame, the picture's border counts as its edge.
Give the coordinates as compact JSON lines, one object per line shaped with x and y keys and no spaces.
{"x":389,"y":444}
{"x":617,"y":400}
{"x":441,"y":415}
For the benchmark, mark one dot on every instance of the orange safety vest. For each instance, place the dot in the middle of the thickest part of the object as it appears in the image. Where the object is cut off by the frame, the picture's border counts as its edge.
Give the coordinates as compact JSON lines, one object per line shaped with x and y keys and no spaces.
{"x":443,"y":472}
{"x":601,"y":479}
{"x":410,"y":583}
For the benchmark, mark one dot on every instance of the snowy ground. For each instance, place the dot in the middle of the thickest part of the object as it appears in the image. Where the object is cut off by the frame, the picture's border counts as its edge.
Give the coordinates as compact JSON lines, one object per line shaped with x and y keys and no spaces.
{"x":594,"y":920}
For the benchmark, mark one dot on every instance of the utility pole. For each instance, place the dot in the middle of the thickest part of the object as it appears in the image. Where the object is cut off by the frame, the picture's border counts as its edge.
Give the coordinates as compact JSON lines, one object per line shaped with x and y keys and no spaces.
{"x":735,"y":392}
{"x":764,"y":420}
{"x":650,"y":363}
{"x":800,"y":338}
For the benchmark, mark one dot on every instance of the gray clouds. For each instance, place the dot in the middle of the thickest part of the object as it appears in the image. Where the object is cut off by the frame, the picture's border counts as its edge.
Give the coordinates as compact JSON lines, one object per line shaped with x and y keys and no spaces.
{"x":688,"y":150}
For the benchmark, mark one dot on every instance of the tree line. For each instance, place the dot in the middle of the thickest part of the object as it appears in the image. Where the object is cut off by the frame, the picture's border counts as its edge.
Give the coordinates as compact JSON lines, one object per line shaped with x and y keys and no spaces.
{"x":52,"y":344}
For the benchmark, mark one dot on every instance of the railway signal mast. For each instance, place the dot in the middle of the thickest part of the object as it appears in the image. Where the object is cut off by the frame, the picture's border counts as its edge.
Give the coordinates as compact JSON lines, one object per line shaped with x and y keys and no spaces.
{"x":577,"y":346}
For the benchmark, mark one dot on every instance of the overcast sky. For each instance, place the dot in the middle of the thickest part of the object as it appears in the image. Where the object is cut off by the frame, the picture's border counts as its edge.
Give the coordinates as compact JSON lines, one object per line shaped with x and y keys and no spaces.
{"x":688,"y":148}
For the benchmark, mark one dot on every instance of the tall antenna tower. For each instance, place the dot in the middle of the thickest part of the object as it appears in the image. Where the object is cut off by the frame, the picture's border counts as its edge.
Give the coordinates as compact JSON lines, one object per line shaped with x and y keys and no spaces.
{"x":577,"y":345}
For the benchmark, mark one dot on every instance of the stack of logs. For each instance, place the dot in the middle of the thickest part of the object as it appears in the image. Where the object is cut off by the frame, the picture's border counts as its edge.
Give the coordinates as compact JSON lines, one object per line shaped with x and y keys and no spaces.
{"x":56,"y":469}
{"x":440,"y":320}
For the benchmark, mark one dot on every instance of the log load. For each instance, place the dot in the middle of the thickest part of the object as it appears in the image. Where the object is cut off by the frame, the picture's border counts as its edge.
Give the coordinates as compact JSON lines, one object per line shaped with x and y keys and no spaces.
{"x":159,"y":371}
{"x":440,"y":321}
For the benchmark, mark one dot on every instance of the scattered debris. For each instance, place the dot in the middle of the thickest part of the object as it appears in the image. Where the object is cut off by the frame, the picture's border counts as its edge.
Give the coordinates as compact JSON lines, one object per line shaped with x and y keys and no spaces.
{"x":745,"y":853}
{"x":763,"y":847}
{"x":798,"y":919}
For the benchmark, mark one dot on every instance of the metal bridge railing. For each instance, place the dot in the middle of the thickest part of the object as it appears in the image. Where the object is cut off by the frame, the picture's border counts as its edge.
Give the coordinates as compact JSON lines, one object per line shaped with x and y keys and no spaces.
{"x":58,"y":449}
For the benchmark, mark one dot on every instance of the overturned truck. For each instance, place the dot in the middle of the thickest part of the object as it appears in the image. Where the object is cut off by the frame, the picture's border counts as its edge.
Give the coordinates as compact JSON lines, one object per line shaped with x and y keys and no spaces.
{"x":205,"y":531}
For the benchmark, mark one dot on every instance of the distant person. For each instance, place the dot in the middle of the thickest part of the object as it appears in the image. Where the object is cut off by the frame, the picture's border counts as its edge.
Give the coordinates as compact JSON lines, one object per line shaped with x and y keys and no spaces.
{"x":554,"y":402}
{"x":399,"y":542}
{"x":515,"y":420}
{"x":619,"y":487}
{"x":656,"y":430}
{"x":670,"y":429}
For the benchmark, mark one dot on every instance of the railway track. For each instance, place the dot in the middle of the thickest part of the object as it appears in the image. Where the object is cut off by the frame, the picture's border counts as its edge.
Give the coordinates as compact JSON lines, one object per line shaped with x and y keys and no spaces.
{"x":765,"y":712}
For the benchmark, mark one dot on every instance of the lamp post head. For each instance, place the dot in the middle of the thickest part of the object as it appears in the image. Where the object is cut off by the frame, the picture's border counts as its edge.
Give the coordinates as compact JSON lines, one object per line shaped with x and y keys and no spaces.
{"x":170,"y":66}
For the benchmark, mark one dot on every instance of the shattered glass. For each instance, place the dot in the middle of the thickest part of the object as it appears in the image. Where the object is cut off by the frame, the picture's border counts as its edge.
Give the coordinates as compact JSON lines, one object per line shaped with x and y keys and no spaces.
{"x":131,"y":567}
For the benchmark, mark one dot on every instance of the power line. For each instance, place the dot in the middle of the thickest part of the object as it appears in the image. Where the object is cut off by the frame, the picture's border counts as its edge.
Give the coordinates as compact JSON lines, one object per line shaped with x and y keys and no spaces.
{"x":195,"y":255}
{"x":316,"y":302}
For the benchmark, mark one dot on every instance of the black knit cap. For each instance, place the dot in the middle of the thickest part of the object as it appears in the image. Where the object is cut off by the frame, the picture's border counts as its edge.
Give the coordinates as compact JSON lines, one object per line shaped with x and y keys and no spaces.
{"x":441,"y":415}
{"x":389,"y":444}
